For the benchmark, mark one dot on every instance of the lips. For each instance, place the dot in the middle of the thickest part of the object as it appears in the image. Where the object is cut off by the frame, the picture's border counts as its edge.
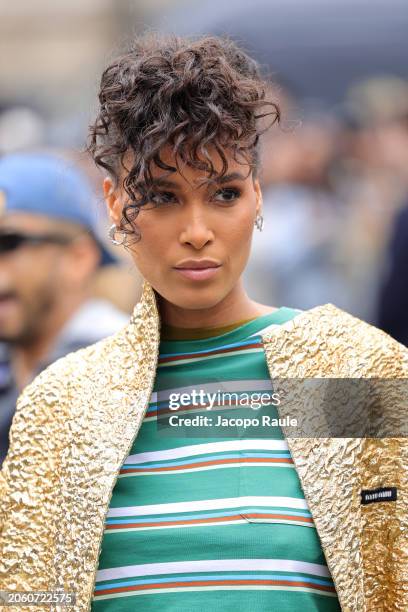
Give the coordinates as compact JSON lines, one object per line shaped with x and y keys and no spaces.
{"x":7,"y":298}
{"x":7,"y":305}
{"x":195,"y":264}
{"x":198,"y":269}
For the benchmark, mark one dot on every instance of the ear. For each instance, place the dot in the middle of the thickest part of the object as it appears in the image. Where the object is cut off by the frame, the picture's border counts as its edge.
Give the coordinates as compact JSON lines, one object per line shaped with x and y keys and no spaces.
{"x":258,"y":195}
{"x":113,"y":203}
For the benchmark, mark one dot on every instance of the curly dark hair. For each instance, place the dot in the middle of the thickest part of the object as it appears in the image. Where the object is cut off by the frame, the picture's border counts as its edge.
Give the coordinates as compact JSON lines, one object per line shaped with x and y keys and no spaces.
{"x":184,"y":92}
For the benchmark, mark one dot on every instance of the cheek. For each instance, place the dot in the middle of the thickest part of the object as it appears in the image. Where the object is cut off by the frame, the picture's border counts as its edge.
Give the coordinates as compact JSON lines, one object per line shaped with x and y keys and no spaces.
{"x":150,"y":248}
{"x":49,"y":268}
{"x":28,"y":274}
{"x":237,"y":233}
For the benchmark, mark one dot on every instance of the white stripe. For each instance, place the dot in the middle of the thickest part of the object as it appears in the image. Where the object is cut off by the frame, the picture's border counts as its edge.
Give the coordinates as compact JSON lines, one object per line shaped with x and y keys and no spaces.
{"x":211,"y":447}
{"x":213,"y":565}
{"x":209,"y":504}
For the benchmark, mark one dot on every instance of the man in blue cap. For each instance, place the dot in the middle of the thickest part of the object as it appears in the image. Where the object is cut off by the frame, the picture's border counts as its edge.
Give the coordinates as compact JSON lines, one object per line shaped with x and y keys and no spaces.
{"x":49,"y":253}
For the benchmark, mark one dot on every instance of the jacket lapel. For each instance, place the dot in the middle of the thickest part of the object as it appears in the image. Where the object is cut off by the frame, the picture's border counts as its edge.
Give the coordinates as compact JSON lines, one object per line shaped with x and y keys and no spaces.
{"x":107,"y":407}
{"x":326,"y":466}
{"x":364,"y":545}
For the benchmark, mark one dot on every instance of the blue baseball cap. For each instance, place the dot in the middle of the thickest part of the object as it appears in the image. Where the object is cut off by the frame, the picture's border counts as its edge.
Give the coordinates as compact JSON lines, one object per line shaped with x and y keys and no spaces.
{"x":43,"y":183}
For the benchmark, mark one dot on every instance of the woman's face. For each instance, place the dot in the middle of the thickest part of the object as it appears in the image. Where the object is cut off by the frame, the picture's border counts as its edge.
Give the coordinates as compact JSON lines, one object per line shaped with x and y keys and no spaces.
{"x":193,"y":221}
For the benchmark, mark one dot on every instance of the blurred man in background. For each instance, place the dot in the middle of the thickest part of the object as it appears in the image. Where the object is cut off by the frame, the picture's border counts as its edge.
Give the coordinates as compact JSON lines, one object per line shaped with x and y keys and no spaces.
{"x":49,"y":254}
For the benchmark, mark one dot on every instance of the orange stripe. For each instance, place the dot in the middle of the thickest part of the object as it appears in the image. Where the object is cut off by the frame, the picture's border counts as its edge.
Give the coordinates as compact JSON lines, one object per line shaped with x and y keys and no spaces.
{"x":215,"y":582}
{"x":216,"y":519}
{"x":214,"y":462}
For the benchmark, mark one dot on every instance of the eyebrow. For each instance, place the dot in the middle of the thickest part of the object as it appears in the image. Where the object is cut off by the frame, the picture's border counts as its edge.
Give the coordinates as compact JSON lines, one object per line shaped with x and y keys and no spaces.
{"x":233,"y":176}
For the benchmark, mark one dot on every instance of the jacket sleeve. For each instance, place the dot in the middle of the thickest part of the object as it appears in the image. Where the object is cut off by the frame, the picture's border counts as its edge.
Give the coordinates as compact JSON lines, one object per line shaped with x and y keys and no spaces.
{"x":384,"y":542}
{"x":27,"y":483}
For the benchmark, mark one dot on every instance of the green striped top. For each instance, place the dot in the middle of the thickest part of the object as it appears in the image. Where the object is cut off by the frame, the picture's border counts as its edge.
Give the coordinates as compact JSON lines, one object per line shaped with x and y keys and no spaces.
{"x":207,"y":515}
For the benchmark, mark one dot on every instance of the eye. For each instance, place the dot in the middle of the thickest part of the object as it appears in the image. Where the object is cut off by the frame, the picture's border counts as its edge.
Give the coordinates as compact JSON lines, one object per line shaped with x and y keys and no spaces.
{"x":227,"y":194}
{"x":162,"y":198}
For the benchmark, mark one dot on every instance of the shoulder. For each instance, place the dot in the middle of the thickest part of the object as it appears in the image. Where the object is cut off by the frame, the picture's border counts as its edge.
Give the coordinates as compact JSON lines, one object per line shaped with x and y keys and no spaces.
{"x":343,"y":341}
{"x":44,"y":407}
{"x":47,"y":397}
{"x":380,"y":352}
{"x":342,"y":323}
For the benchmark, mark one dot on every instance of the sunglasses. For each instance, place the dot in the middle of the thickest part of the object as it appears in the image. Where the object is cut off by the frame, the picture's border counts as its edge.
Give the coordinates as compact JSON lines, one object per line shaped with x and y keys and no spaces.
{"x":10,"y":241}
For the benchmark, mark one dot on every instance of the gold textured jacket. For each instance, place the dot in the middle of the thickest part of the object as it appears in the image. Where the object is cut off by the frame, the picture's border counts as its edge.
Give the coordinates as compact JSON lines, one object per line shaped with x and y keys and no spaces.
{"x":75,"y":424}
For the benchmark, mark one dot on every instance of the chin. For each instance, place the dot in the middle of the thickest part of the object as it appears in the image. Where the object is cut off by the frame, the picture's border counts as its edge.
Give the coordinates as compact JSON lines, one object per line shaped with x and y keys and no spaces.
{"x":198,"y":298}
{"x":198,"y":304}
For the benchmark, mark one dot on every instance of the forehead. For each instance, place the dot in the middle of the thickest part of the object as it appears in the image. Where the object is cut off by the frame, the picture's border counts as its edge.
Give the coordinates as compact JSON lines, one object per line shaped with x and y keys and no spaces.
{"x":187,"y":175}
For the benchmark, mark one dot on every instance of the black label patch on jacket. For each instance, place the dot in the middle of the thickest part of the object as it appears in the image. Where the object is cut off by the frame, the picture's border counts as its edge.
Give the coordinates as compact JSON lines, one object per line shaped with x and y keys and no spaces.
{"x":369,"y":496}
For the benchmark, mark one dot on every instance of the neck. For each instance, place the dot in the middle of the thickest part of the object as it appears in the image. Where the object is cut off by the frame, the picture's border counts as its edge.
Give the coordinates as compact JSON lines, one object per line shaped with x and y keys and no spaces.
{"x":27,"y":358}
{"x":235,"y":306}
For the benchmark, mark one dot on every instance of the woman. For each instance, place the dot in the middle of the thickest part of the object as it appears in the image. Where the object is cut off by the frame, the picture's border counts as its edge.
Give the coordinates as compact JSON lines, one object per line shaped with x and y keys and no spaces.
{"x":130,"y":482}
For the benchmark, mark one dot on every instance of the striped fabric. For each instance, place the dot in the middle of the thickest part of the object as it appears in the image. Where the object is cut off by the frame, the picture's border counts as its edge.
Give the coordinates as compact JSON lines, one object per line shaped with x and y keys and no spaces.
{"x":201,"y":521}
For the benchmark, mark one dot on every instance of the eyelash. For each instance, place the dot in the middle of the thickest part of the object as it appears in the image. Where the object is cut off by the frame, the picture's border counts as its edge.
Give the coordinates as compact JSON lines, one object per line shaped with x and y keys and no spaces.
{"x":233,"y":190}
{"x":164,"y":202}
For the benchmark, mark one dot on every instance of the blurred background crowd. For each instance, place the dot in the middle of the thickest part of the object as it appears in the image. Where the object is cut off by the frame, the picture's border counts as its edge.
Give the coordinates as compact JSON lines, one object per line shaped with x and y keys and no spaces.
{"x":334,"y":177}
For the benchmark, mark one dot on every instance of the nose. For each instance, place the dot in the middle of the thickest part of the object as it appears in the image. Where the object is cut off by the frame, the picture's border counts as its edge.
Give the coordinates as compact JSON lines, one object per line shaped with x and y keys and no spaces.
{"x":196,"y":231}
